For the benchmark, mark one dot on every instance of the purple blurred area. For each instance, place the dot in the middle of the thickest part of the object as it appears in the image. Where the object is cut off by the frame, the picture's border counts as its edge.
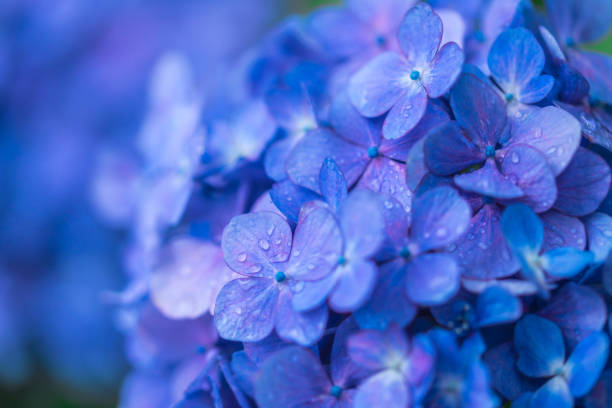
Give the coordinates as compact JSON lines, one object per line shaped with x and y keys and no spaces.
{"x":74,"y":78}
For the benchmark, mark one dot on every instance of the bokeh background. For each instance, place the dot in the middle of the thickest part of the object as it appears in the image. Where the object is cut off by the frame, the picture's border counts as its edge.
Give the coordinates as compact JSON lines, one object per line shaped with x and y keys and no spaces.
{"x":73,"y":82}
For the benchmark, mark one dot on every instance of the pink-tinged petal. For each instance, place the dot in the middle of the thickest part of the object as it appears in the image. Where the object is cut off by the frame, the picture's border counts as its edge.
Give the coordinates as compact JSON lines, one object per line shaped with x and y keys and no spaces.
{"x":478,"y":109}
{"x":372,"y":349}
{"x":561,"y":230}
{"x":186,"y":283}
{"x":406,"y":113}
{"x":304,"y":163}
{"x":432,"y":279}
{"x":292,"y":378}
{"x":317,"y":245}
{"x":483,"y":252}
{"x":375,"y":88}
{"x":303,"y":328}
{"x":584,"y":184}
{"x":398,"y":149}
{"x":253,"y":243}
{"x":577,"y":310}
{"x":385,"y":389}
{"x":599,"y":230}
{"x":246,"y":309}
{"x":527,"y":168}
{"x":362,"y":224}
{"x":440,"y":217}
{"x":488,"y":181}
{"x":342,"y":368}
{"x":389,"y":178}
{"x":351,"y":125}
{"x":552,"y":131}
{"x":448,"y":150}
{"x":355,"y":284}
{"x":444,"y":71}
{"x":420,"y":34}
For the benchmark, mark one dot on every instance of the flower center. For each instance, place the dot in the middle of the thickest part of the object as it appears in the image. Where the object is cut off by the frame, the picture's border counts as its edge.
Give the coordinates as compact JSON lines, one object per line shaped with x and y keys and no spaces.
{"x":381,"y":40}
{"x":509,"y":96}
{"x":490,"y":151}
{"x":405,"y":252}
{"x":414,"y":75}
{"x":487,"y":200}
{"x":373,"y":152}
{"x":336,"y":391}
{"x":280,"y":276}
{"x":341,"y":260}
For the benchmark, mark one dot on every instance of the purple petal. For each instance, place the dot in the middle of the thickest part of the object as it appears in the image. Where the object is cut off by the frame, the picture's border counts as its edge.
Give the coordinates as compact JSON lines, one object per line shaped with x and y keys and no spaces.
{"x":581,"y":21}
{"x":304,"y":163}
{"x":386,"y":389}
{"x":420,"y":34}
{"x":332,"y":183}
{"x":448,"y":150}
{"x":291,"y":109}
{"x":416,"y":169}
{"x":252,"y":243}
{"x":584,"y":184}
{"x":505,"y":378}
{"x":488,"y":181}
{"x":478,"y":109}
{"x":372,"y":349}
{"x":539,"y":345}
{"x":276,"y":157}
{"x":552,"y":131}
{"x":562,"y":231}
{"x":432,"y":279}
{"x":389,"y":178}
{"x":597,"y":69}
{"x":339,"y":31}
{"x":317,"y":245}
{"x":445,"y":69}
{"x":355,"y":284}
{"x":515,"y":59}
{"x":362,"y":225}
{"x":309,"y":295}
{"x":292,"y":377}
{"x":303,"y":328}
{"x":528,"y":169}
{"x":599,"y":230}
{"x":378,"y":85}
{"x":406,"y":112}
{"x":388,"y":303}
{"x":553,"y":394}
{"x":537,"y":89}
{"x":342,"y":368}
{"x":246,"y":309}
{"x":577,"y":310}
{"x":351,"y":126}
{"x":289,"y":198}
{"x":484,"y":254}
{"x":586,"y":363}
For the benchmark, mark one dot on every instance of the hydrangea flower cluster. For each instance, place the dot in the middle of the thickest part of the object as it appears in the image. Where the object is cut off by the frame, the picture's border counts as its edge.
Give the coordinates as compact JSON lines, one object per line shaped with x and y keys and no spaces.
{"x":404,"y":204}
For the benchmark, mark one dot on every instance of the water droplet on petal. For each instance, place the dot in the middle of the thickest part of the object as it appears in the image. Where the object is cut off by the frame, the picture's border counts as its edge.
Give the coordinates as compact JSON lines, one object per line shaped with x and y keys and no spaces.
{"x":515,"y":157}
{"x":242,"y":257}
{"x":263,"y":244}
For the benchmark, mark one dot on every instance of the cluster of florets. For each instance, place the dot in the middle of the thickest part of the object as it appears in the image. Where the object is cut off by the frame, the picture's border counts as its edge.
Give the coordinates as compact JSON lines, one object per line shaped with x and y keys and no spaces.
{"x":407,"y":207}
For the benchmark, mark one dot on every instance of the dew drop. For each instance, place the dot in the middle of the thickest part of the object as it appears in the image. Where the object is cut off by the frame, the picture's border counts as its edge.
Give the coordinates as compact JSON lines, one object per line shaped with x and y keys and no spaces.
{"x":263,"y":244}
{"x":255,"y":268}
{"x":514,"y":157}
{"x":242,"y":257}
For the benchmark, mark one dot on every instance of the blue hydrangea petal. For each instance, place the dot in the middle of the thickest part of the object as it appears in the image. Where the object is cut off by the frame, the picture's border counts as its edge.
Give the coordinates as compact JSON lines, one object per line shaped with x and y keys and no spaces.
{"x":488,"y":181}
{"x":497,"y":306}
{"x":245,"y":372}
{"x":578,"y":311}
{"x":523,"y":230}
{"x":565,"y":262}
{"x":554,"y":394}
{"x":355,"y":284}
{"x":523,"y":401}
{"x":342,"y":368}
{"x":536,"y":89}
{"x":600,"y":396}
{"x":561,"y":230}
{"x":529,"y":170}
{"x":406,"y":113}
{"x":276,"y":157}
{"x":478,"y":109}
{"x":581,"y":21}
{"x":515,"y":59}
{"x":388,"y":303}
{"x":338,"y":31}
{"x":440,"y":216}
{"x":253,"y":243}
{"x":385,"y":389}
{"x":332,"y":184}
{"x":599,"y":230}
{"x":432,"y":279}
{"x":416,"y":169}
{"x":444,"y":71}
{"x":388,"y":177}
{"x":303,"y":328}
{"x":552,"y":131}
{"x":505,"y":378}
{"x":362,"y":224}
{"x":420,"y":34}
{"x":289,"y":198}
{"x":539,"y":346}
{"x":246,"y":309}
{"x":291,"y":109}
{"x":586,"y":362}
{"x":310,"y":295}
{"x":317,"y":245}
{"x":375,"y":88}
{"x":351,"y":125}
{"x":292,"y":377}
{"x":484,"y":253}
{"x":375,"y":350}
{"x":584,"y":184}
{"x":304,"y":163}
{"x":448,"y":150}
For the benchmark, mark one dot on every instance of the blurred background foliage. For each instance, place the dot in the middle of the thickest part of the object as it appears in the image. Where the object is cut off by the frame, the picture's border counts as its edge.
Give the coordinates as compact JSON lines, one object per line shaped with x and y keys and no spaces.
{"x":49,"y":387}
